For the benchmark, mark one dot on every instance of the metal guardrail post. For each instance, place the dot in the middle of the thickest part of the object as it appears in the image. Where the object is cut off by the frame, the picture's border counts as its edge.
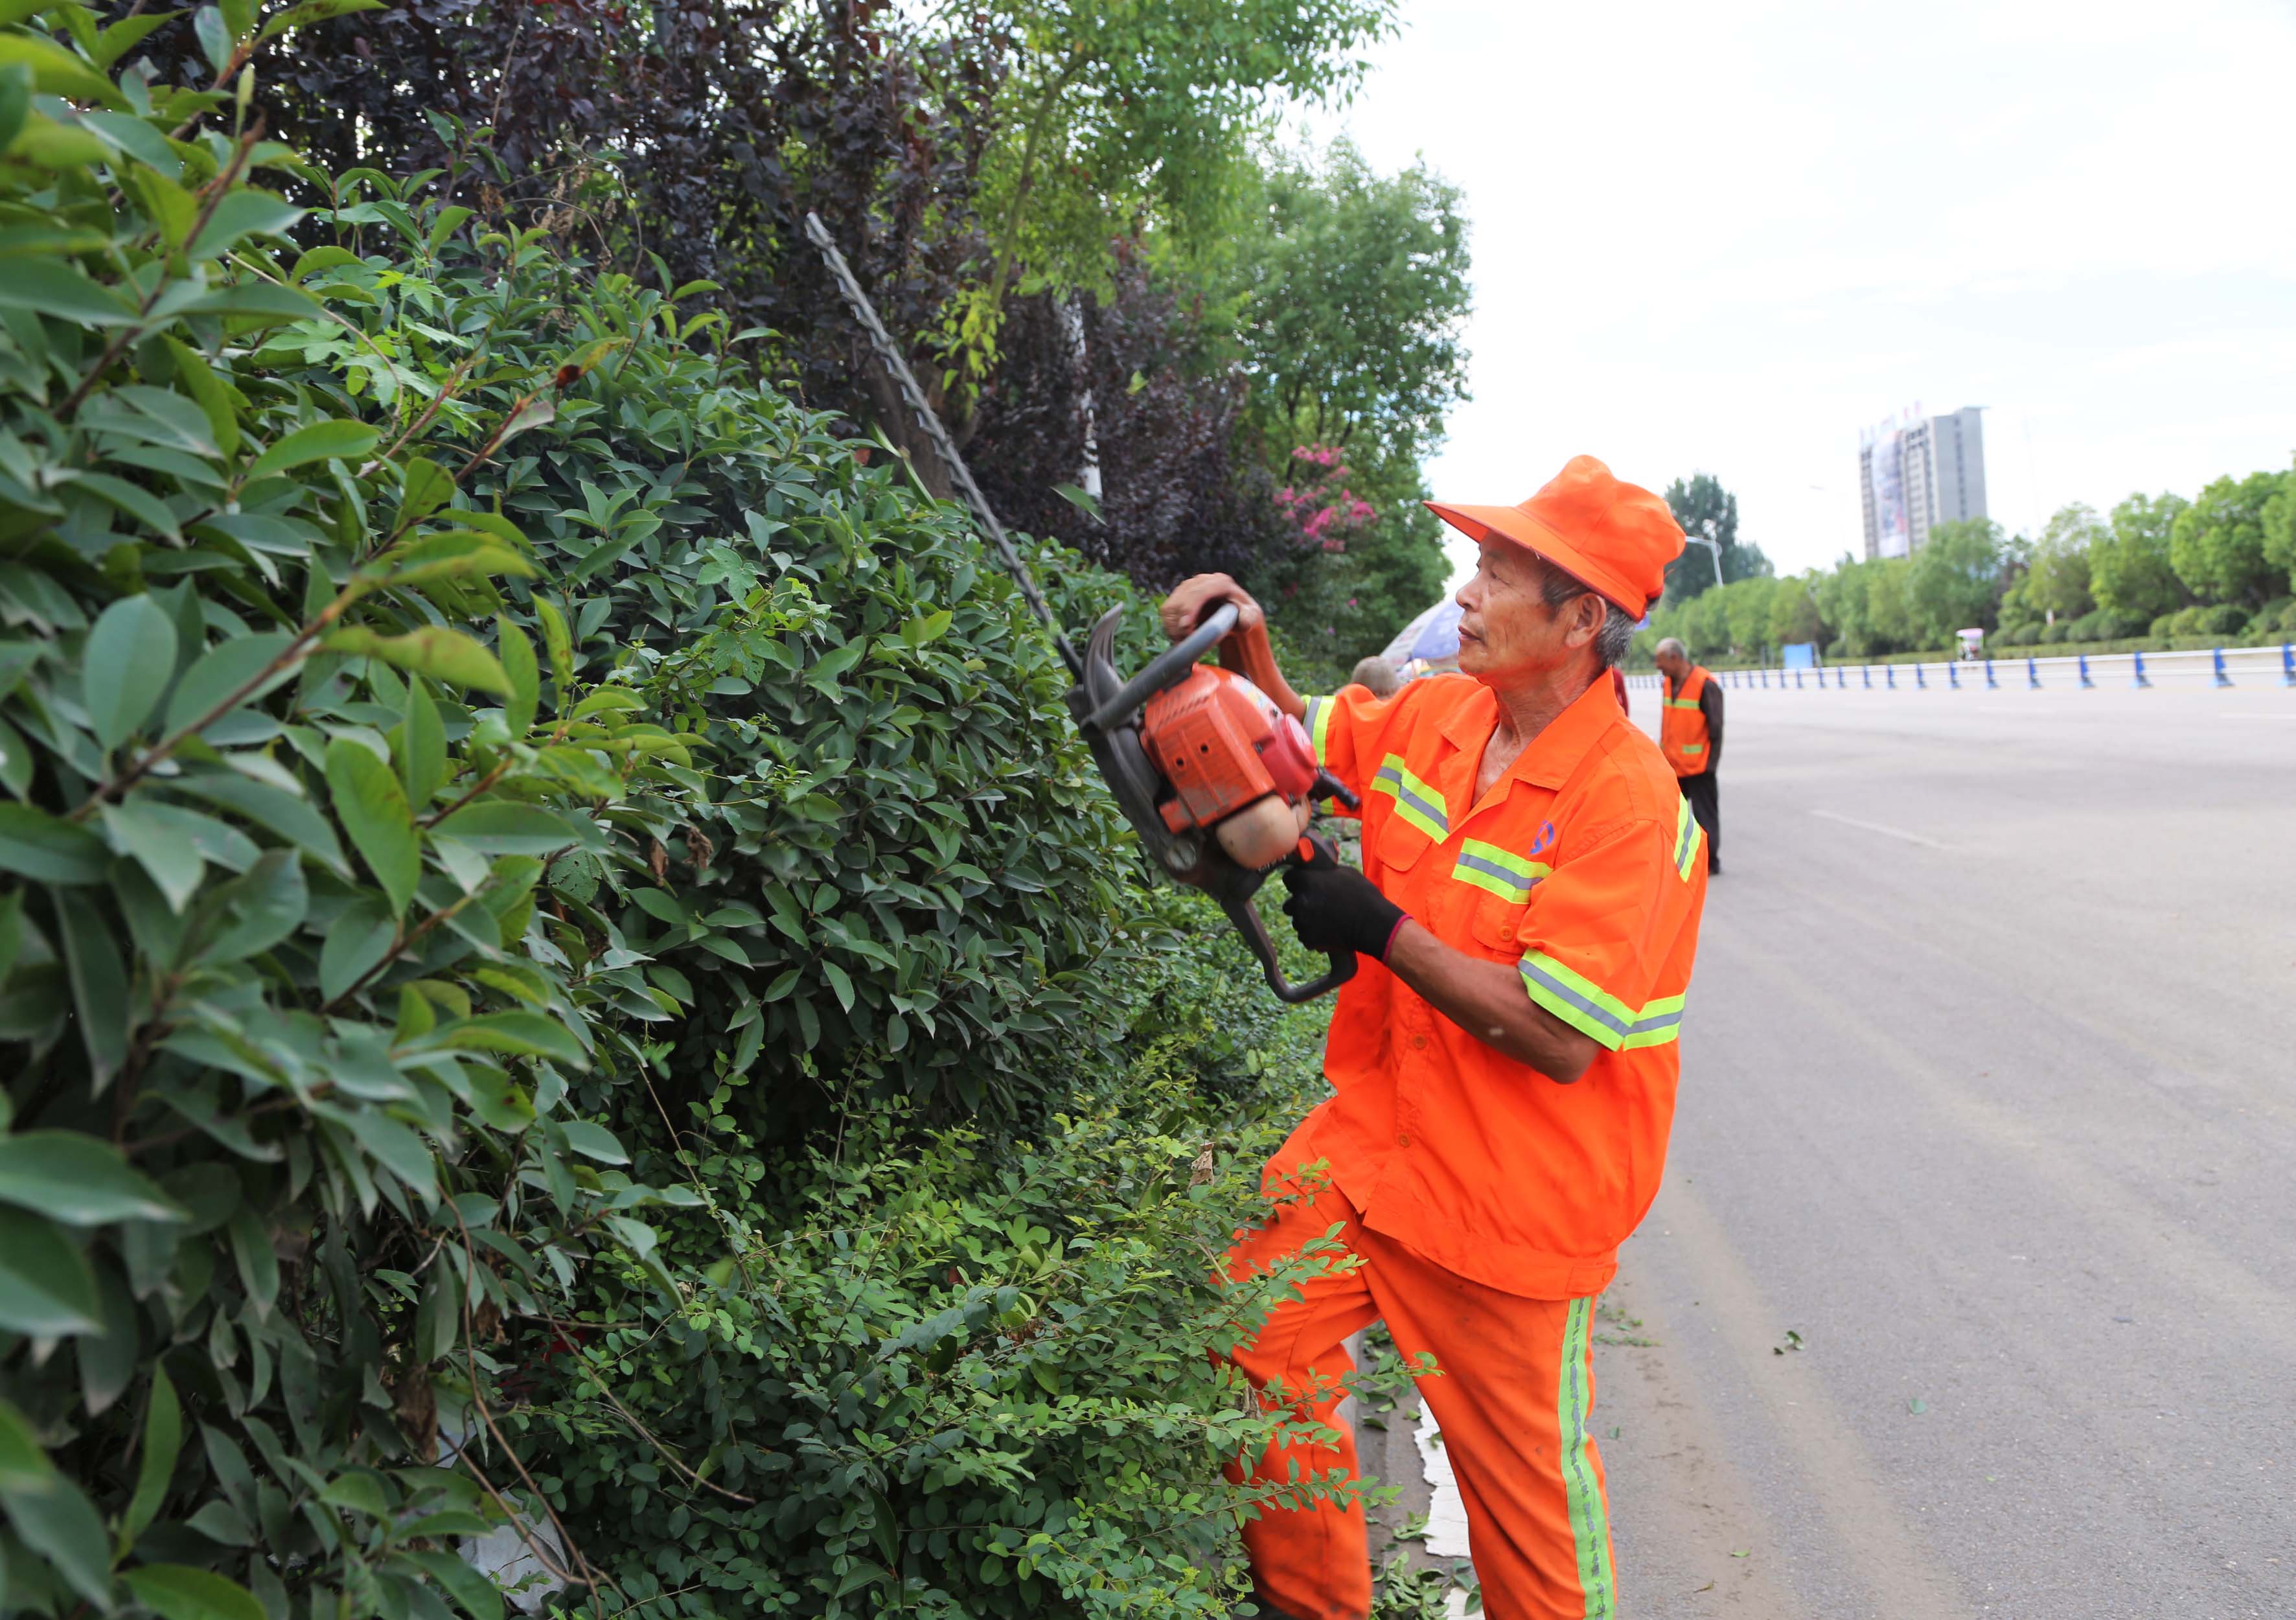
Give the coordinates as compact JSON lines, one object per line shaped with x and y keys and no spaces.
{"x":1953,"y":673}
{"x":1991,"y":684}
{"x":1920,"y":679}
{"x":1865,"y":671}
{"x":2033,"y":673}
{"x":2086,"y":683}
{"x":1890,"y":677}
{"x":2223,"y":679}
{"x":2138,"y":679}
{"x":1797,"y":680}
{"x":2287,"y":664}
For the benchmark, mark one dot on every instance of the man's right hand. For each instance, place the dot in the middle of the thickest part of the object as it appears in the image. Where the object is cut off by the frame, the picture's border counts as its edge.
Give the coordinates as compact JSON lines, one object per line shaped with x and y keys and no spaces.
{"x":1194,"y":597}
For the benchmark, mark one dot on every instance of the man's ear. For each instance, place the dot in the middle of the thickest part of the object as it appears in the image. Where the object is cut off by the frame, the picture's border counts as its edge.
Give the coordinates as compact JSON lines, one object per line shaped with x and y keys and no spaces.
{"x":1591,"y":610}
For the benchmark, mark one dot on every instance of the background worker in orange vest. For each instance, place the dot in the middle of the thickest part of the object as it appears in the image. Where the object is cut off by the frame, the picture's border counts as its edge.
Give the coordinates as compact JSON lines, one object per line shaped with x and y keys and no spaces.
{"x":1690,"y":736}
{"x":1504,"y":1060}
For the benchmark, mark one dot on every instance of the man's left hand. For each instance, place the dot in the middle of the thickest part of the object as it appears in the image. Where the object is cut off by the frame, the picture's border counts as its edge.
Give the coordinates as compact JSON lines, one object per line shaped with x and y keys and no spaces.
{"x":1334,"y":907}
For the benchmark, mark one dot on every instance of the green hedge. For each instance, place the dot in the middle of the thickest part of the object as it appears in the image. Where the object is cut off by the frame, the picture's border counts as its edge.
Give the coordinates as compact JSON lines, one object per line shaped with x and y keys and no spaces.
{"x":508,"y":831}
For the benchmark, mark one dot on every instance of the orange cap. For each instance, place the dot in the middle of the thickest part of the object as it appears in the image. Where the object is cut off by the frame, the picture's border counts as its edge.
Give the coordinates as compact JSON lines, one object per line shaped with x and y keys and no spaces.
{"x":1615,"y":539}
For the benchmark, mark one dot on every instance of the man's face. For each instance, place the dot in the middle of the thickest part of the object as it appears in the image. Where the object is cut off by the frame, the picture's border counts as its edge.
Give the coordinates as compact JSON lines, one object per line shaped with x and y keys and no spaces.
{"x":1674,"y":665}
{"x":1507,"y":630}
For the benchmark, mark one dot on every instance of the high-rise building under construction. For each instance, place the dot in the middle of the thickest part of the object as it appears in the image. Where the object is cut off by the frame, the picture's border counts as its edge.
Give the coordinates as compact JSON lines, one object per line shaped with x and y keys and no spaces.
{"x":1916,"y":472}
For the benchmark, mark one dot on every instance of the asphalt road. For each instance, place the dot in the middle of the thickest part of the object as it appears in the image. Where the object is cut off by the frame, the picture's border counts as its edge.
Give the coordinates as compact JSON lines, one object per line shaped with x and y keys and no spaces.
{"x":1989,"y":1097}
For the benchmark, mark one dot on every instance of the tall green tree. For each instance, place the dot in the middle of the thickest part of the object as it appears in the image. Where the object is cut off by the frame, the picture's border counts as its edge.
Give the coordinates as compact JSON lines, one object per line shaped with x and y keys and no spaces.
{"x":1348,"y":294}
{"x":1708,"y":513}
{"x":1354,"y":295}
{"x":2130,"y":573}
{"x":1955,"y":583}
{"x":2217,"y":544}
{"x":2055,"y":585}
{"x":2280,"y":530}
{"x":1119,"y":113}
{"x":1794,"y":615}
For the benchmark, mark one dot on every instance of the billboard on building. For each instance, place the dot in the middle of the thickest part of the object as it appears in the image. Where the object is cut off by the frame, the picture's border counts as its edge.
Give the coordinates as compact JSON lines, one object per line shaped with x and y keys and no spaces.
{"x":1892,"y":522}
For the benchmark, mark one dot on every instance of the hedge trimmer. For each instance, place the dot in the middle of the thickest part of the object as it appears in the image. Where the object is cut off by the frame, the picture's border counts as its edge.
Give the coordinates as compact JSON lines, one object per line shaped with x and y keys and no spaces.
{"x":1217,"y":780}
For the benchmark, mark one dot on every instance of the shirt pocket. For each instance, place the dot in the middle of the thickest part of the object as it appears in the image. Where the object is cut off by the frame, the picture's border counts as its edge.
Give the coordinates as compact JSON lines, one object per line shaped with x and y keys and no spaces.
{"x":1399,"y":845}
{"x":1501,"y":881}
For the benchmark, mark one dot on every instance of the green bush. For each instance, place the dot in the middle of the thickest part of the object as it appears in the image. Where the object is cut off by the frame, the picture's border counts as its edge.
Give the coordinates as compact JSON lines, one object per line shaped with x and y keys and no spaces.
{"x":491,"y":795}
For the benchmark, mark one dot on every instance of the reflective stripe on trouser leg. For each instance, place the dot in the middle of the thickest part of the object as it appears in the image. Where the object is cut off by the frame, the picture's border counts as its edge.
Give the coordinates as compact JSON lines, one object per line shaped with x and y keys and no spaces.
{"x":1582,"y":1483}
{"x":1515,"y":1426}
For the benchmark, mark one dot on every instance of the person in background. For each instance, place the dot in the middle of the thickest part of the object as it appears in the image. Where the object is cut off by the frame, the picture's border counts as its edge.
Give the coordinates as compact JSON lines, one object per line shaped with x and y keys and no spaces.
{"x":1376,"y":673}
{"x":1690,"y":736}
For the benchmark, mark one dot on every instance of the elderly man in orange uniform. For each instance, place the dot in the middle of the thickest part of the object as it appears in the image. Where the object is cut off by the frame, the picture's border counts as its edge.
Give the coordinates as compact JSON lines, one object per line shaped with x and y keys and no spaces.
{"x":1504,"y":1062}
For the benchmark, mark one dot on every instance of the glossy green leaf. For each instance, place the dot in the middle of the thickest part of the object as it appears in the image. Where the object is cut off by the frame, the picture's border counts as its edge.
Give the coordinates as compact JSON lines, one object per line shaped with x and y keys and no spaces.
{"x":373,"y":809}
{"x":441,"y":653}
{"x":594,"y":1142}
{"x":246,"y":213}
{"x":245,"y":666}
{"x":163,"y":1442}
{"x":50,"y":286}
{"x":99,"y":984}
{"x":340,"y":438}
{"x":60,"y":1525}
{"x":257,"y":909}
{"x":423,"y":751}
{"x":558,"y":643}
{"x":502,"y":826}
{"x":130,"y":658}
{"x":45,"y":1285}
{"x":78,"y":1179}
{"x":177,"y":1591}
{"x":141,"y":829}
{"x":513,"y":1034}
{"x":518,"y":662}
{"x":41,"y":847}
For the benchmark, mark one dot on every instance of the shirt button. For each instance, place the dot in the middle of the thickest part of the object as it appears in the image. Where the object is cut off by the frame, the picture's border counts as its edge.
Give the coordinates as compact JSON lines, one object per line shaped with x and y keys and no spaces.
{"x":1507,"y":933}
{"x":1403,"y":1140}
{"x":1419,"y":1040}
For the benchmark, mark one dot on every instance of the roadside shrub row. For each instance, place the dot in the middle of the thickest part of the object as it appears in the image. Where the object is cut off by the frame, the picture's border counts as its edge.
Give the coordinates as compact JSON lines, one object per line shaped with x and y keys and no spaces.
{"x":558,"y":959}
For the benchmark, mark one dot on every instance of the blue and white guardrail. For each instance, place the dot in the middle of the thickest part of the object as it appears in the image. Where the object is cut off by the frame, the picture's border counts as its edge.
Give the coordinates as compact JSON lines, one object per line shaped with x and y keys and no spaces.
{"x":2214,"y":667}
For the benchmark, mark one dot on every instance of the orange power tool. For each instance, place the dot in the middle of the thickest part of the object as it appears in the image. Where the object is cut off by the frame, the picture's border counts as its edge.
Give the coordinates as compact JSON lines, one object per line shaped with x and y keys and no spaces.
{"x":1218,"y":781}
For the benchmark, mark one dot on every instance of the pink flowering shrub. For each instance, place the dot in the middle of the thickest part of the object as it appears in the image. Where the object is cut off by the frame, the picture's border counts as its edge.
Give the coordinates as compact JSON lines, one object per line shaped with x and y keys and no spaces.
{"x":1318,"y":503}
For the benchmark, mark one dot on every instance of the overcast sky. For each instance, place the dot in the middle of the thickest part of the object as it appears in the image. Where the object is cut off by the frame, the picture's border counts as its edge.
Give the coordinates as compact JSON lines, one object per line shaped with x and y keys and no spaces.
{"x":1725,"y":238}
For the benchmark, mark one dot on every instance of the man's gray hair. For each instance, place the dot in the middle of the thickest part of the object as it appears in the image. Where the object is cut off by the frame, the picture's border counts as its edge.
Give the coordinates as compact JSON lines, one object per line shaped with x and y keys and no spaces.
{"x":1559,"y":590}
{"x":1671,"y":643}
{"x":1376,"y":673}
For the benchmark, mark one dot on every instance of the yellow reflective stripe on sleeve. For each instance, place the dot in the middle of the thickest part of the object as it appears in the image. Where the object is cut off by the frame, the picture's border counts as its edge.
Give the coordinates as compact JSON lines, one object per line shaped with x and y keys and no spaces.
{"x":1495,"y":871}
{"x":1319,"y":725}
{"x":1594,"y":1012}
{"x":1686,"y":835}
{"x":1582,"y":1485}
{"x":1414,"y":801}
{"x":1661,"y":1022}
{"x":1578,"y":1001}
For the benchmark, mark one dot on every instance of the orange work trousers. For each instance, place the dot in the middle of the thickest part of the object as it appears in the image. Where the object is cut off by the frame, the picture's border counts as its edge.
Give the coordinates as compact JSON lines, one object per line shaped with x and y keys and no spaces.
{"x":1514,"y":1397}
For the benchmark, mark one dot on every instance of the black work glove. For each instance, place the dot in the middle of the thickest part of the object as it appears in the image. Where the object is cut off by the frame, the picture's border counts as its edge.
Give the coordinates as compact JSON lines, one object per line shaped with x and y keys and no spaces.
{"x":1334,"y":907}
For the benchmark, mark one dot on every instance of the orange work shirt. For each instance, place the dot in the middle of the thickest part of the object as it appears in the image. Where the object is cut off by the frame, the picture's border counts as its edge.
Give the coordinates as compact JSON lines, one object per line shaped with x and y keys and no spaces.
{"x":1581,"y":867}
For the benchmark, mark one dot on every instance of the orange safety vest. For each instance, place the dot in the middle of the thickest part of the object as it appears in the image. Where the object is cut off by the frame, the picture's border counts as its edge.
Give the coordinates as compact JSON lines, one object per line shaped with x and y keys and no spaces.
{"x":1681,"y":728}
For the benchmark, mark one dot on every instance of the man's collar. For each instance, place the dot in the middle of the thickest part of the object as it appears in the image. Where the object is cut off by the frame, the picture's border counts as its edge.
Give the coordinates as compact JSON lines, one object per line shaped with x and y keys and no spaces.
{"x":1550,"y":757}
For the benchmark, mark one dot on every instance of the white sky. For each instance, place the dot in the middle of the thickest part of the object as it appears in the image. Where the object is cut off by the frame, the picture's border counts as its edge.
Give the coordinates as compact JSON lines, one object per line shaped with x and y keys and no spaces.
{"x":1726,"y":237}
